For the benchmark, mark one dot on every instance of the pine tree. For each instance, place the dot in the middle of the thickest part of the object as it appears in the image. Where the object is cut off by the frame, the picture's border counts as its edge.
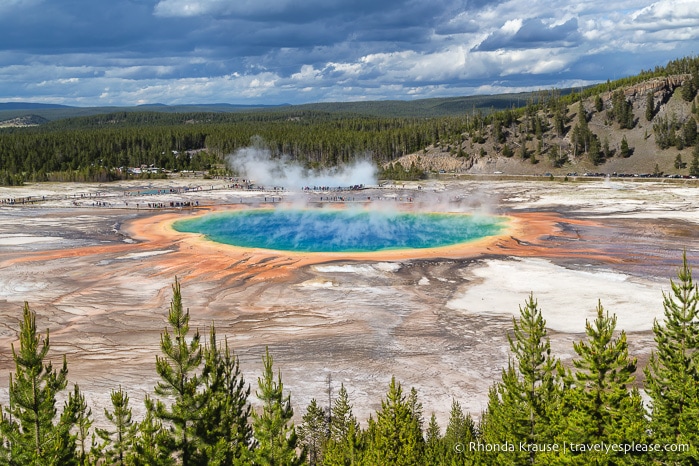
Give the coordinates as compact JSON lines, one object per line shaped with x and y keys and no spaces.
{"x":83,"y":423}
{"x":506,"y":151}
{"x":344,"y":446}
{"x":606,"y":151}
{"x":672,"y":379}
{"x":30,"y":428}
{"x":179,"y":381}
{"x":523,"y":152}
{"x":118,"y":442}
{"x":151,"y":444}
{"x":599,"y":104}
{"x":435,"y":453}
{"x":460,"y":432}
{"x":313,"y":433}
{"x":595,"y":150}
{"x":521,"y":404}
{"x":416,"y":408}
{"x":497,"y":421}
{"x":624,"y":150}
{"x":396,"y":438}
{"x":687,"y":91}
{"x":622,"y":111}
{"x":272,"y":427}
{"x":689,"y":132}
{"x":224,"y":430}
{"x":694,"y":167}
{"x":600,"y":406}
{"x":678,"y":162}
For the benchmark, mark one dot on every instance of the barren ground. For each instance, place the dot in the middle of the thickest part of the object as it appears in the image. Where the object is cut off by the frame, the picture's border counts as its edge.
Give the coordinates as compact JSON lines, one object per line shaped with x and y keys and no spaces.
{"x":98,"y":274}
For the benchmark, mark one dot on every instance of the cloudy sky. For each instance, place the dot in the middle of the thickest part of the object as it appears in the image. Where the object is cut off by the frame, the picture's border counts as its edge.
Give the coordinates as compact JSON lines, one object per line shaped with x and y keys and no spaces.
{"x":129,"y":52}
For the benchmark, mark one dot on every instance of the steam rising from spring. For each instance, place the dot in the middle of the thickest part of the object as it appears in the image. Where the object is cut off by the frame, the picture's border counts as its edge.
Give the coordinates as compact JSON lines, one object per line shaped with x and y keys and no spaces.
{"x":257,"y":164}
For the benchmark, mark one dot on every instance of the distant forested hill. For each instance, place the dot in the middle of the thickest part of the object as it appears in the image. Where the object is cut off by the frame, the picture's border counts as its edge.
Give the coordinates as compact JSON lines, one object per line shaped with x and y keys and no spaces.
{"x":425,"y":108}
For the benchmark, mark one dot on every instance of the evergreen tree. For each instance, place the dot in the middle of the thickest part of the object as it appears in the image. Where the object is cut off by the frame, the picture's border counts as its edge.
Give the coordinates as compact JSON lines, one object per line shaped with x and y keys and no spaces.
{"x":689,"y":131}
{"x":694,"y":167}
{"x":117,"y":443}
{"x":664,"y":130}
{"x":272,"y":427}
{"x":688,"y":91}
{"x":179,"y":381}
{"x":600,"y":406}
{"x":313,"y":433}
{"x":672,"y":379}
{"x":31,"y":431}
{"x":582,"y":134}
{"x":396,"y":438}
{"x":559,"y":120}
{"x":496,"y":421}
{"x":523,"y":152}
{"x":624,"y":150}
{"x":345,"y":443}
{"x":224,"y":431}
{"x":679,"y":164}
{"x":599,"y":104}
{"x":460,"y":432}
{"x":595,"y":150}
{"x":151,"y":444}
{"x":650,"y":106}
{"x":622,"y":111}
{"x":435,"y":451}
{"x":606,"y":151}
{"x":521,"y":405}
{"x":83,"y":423}
{"x":506,"y":151}
{"x":416,"y":408}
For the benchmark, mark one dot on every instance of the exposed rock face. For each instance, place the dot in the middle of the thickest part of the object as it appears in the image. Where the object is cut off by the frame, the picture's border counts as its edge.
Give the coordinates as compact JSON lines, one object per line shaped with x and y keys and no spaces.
{"x":660,"y":87}
{"x":27,"y":120}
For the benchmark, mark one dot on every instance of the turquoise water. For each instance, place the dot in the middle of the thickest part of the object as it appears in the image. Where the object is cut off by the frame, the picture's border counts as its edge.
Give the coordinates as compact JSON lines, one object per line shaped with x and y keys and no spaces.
{"x":325,"y":230}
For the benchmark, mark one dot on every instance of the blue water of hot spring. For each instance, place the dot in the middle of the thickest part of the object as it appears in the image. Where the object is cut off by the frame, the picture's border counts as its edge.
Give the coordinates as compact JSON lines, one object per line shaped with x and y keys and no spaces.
{"x":335,"y":230}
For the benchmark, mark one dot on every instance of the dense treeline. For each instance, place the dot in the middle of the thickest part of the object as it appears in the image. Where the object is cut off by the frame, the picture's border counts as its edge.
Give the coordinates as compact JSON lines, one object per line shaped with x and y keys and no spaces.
{"x":167,"y":141}
{"x":540,"y":412}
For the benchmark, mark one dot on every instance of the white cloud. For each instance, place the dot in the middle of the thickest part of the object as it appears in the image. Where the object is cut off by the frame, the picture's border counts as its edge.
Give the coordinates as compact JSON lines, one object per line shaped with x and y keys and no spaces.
{"x":190,"y":8}
{"x":134,"y":72}
{"x":307,"y":73}
{"x":511,"y":26}
{"x":9,"y":5}
{"x":668,"y":13}
{"x":187,"y":8}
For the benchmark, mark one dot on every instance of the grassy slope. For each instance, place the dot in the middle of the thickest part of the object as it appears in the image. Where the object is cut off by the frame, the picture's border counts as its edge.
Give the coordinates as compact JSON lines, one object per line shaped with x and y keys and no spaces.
{"x":641,"y":139}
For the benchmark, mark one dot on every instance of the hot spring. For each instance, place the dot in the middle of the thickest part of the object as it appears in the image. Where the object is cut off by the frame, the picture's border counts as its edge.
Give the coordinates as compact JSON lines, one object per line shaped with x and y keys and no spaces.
{"x":335,"y":230}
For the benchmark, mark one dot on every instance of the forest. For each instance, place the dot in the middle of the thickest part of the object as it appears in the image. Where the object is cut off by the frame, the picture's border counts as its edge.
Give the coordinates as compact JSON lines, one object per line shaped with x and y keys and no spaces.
{"x":540,"y":411}
{"x":100,"y":147}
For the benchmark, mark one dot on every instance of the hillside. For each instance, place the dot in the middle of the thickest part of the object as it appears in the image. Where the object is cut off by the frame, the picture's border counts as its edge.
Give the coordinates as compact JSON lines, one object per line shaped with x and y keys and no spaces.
{"x":481,"y":151}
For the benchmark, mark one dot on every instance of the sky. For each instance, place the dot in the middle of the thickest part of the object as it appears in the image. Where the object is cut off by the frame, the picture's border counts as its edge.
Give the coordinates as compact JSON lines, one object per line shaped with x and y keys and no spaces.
{"x":132,"y":52}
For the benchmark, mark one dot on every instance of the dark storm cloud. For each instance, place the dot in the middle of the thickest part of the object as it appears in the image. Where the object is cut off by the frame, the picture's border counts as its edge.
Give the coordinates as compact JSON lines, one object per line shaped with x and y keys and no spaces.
{"x":89,"y":52}
{"x":55,"y":27}
{"x":533,"y":33}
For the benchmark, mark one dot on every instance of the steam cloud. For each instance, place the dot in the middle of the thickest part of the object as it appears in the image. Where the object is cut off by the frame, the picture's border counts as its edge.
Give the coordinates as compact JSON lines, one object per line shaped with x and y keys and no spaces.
{"x":256,"y":164}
